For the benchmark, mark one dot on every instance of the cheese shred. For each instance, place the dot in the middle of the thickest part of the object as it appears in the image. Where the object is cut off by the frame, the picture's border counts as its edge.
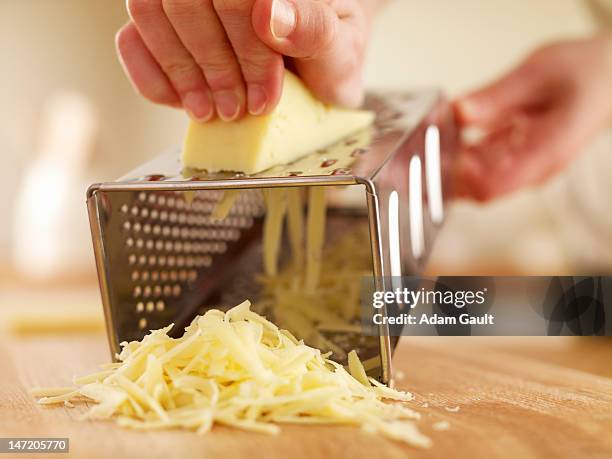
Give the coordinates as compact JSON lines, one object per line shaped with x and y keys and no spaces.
{"x":240,"y":370}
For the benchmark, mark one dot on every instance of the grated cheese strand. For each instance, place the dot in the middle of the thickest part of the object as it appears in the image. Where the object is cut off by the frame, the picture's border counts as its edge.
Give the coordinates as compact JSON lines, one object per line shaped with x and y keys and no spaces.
{"x":315,"y":236}
{"x":295,"y":224}
{"x":276,"y":206}
{"x":225,"y":204}
{"x":237,"y":369}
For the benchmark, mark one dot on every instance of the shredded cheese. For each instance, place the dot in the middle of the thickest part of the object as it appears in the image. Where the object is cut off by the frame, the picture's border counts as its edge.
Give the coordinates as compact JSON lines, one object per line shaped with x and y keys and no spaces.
{"x":225,"y":204}
{"x":276,"y":207}
{"x":295,"y":224}
{"x":237,"y":369}
{"x":315,"y":236}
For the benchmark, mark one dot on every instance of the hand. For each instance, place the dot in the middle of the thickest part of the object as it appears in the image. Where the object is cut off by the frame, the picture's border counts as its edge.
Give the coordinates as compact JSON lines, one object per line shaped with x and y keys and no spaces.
{"x":535,"y":119}
{"x":225,"y":57}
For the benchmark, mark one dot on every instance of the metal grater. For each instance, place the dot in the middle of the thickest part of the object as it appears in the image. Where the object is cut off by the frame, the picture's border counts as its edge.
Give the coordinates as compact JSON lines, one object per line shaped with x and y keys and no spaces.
{"x":162,"y":259}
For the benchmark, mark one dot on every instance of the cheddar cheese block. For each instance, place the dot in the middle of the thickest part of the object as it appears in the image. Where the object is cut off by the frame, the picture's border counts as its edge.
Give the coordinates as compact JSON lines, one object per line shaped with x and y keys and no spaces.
{"x":300,"y":124}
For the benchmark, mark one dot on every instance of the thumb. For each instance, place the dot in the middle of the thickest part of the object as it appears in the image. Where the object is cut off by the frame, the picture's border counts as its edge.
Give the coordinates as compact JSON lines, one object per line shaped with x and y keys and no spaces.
{"x":497,"y":100}
{"x":296,"y":28}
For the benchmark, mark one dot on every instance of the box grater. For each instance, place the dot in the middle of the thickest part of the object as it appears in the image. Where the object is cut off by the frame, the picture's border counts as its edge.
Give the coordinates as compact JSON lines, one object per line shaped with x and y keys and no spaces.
{"x":161,"y":257}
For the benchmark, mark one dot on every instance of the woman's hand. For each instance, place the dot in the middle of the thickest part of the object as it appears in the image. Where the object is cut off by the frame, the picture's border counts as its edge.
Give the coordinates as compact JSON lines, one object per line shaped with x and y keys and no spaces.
{"x":535,"y":119}
{"x":225,"y":57}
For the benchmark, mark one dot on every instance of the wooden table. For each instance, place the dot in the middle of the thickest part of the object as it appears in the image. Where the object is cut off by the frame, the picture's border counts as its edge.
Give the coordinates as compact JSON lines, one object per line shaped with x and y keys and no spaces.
{"x":517,"y":398}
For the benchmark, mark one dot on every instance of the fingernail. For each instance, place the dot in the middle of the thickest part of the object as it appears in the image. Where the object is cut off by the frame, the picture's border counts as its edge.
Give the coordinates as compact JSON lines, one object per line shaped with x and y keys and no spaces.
{"x":228,"y":105}
{"x":198,"y":105}
{"x":256,"y":99}
{"x":283,"y":18}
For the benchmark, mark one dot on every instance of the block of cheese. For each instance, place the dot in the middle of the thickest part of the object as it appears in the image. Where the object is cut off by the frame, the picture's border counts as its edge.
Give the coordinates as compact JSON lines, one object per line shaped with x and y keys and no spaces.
{"x":299,"y":125}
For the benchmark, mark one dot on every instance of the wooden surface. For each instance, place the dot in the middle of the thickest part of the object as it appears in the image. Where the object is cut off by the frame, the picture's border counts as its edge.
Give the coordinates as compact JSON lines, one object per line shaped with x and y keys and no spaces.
{"x":518,"y":398}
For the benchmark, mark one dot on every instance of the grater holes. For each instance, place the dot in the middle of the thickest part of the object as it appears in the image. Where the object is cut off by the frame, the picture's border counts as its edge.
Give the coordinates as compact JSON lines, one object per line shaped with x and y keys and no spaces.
{"x":124,"y":208}
{"x":129,"y":242}
{"x":163,"y":276}
{"x":135,"y":275}
{"x":154,"y":214}
{"x":203,"y":261}
{"x":162,"y":200}
{"x":176,"y":290}
{"x":127,"y":225}
{"x":140,"y":306}
{"x":139,"y":243}
{"x":149,"y":244}
{"x":142,"y":196}
{"x":173,"y":276}
{"x":146,"y":228}
{"x":132,"y":259}
{"x":161,"y":261}
{"x":152,"y":260}
{"x":142,"y":323}
{"x":137,"y":291}
{"x":160,"y":306}
{"x":192,"y":275}
{"x":154,"y":276}
{"x":137,"y":227}
{"x":145,"y":276}
{"x":150,"y":306}
{"x":156,"y":230}
{"x":146,"y":292}
{"x":182,"y":275}
{"x":134,"y":210}
{"x":152,"y":198}
{"x":167,"y":290}
{"x":157,"y":291}
{"x":142,"y":260}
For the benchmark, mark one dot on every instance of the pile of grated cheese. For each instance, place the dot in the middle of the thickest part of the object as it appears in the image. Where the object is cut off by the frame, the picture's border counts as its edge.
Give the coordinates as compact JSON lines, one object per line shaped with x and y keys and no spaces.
{"x":237,"y":369}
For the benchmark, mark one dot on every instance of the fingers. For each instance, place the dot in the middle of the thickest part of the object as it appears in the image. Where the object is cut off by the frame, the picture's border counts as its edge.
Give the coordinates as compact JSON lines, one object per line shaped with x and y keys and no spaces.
{"x":495,"y":102}
{"x":262,"y":68}
{"x":176,"y":62}
{"x":527,"y":155}
{"x":143,"y":70}
{"x":203,"y":36}
{"x":296,"y":28}
{"x":226,"y":56}
{"x":210,"y":55}
{"x":326,"y":39}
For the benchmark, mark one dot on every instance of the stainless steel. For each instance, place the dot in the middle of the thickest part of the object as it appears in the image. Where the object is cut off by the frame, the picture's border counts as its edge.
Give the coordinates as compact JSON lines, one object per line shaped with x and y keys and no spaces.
{"x":161,"y":258}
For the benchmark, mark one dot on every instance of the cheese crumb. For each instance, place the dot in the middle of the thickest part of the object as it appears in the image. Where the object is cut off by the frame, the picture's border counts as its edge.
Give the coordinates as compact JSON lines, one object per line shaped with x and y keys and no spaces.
{"x":441,"y":425}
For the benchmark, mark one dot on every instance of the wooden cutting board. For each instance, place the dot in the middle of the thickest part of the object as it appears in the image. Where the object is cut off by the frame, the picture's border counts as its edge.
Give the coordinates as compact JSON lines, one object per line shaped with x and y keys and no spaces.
{"x":517,"y":398}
